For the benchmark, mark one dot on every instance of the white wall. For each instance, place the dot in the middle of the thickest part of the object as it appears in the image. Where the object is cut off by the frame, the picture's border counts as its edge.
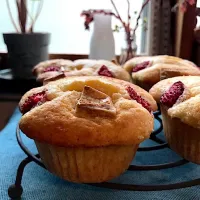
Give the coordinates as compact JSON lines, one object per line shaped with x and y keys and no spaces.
{"x":62,"y":19}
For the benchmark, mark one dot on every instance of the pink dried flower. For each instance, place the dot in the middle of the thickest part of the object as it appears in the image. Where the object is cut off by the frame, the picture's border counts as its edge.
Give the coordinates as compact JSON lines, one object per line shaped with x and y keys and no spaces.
{"x":191,"y":2}
{"x":183,"y":7}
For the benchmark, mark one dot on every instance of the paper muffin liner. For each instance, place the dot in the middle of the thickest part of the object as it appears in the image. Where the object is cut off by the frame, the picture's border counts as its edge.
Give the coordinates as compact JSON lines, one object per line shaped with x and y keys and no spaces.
{"x":182,"y":138}
{"x":86,"y":165}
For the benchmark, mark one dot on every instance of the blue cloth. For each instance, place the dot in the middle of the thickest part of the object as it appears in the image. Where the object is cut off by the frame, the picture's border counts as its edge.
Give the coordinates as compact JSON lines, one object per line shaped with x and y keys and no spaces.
{"x":39,"y":184}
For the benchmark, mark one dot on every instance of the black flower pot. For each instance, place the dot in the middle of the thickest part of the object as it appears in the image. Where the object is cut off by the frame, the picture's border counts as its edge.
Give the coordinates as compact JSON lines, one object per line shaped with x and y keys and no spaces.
{"x":25,"y":51}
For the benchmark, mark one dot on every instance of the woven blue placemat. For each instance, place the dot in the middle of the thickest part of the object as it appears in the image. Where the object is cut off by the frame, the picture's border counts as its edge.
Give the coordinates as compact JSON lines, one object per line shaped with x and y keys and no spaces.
{"x":39,"y":184}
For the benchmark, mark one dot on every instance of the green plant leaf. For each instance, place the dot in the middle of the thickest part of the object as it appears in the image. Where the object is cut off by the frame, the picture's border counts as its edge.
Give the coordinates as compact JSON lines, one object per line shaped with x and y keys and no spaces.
{"x":116,"y":28}
{"x":145,"y":20}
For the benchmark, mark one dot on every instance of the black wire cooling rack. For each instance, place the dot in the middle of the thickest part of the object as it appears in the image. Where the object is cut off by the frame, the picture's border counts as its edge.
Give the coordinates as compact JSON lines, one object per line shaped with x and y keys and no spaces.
{"x":15,"y":191}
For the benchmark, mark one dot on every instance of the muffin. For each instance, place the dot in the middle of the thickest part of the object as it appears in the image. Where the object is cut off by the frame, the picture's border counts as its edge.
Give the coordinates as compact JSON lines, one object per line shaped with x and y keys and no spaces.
{"x":179,"y":99}
{"x":87,"y":129}
{"x":81,"y":67}
{"x":50,"y":68}
{"x":147,"y":71}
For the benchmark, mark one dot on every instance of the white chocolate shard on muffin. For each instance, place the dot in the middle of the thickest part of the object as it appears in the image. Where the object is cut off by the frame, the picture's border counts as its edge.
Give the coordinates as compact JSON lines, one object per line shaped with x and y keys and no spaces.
{"x":182,"y":104}
{"x":96,"y":101}
{"x":50,"y":70}
{"x":118,"y":112}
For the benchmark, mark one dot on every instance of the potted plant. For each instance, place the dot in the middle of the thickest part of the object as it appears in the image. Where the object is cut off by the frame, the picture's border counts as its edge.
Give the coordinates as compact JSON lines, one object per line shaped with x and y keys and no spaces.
{"x":25,"y":47}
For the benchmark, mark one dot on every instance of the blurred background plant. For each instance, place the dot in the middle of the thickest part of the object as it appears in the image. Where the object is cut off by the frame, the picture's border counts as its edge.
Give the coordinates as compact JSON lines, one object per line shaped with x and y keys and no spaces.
{"x":25,"y":47}
{"x":183,"y":5}
{"x":25,"y":15}
{"x":128,"y":26}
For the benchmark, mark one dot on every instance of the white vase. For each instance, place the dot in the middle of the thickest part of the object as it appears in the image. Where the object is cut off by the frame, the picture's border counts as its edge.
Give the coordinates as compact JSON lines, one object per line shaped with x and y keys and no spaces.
{"x":102,"y":44}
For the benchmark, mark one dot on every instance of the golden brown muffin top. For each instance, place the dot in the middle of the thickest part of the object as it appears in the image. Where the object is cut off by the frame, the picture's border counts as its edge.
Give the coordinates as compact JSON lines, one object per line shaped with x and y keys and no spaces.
{"x":181,"y":98}
{"x":151,"y":69}
{"x":87,"y":111}
{"x":53,"y":69}
{"x":54,"y":63}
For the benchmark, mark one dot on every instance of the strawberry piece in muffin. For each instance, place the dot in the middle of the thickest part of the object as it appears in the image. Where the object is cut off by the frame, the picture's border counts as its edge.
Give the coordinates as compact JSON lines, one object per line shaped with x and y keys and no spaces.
{"x":138,"y":98}
{"x":103,"y":71}
{"x":33,"y":101}
{"x":51,"y":69}
{"x":141,"y":66}
{"x":170,"y":97}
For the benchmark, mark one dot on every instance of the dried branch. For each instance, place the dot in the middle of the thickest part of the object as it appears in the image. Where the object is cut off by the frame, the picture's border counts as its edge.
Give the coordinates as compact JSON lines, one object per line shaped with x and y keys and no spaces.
{"x":19,"y":14}
{"x":32,"y":8}
{"x":23,"y":15}
{"x":30,"y":14}
{"x":11,"y":17}
{"x":129,"y":17}
{"x":118,"y":15}
{"x":39,"y":9}
{"x":89,"y":16}
{"x":139,"y":16}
